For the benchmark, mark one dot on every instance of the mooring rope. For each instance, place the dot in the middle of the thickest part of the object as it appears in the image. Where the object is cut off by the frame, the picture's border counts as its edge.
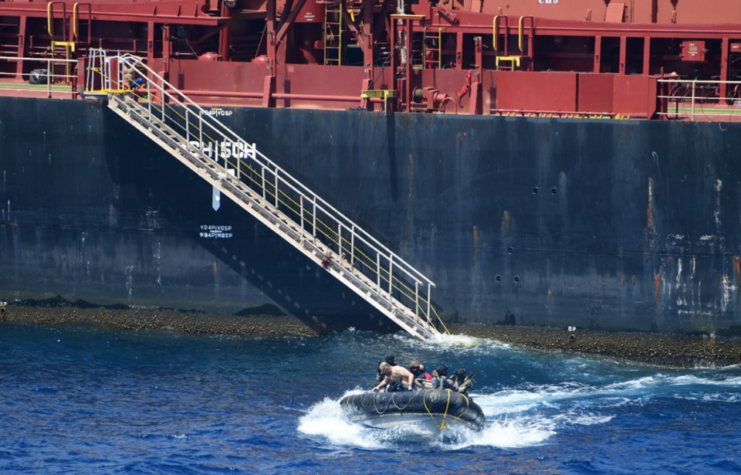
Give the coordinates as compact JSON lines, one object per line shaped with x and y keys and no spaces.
{"x":443,"y":424}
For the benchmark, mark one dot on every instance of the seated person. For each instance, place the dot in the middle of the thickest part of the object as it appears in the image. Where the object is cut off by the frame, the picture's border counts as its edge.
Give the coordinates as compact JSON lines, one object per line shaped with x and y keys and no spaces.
{"x":418,"y":371}
{"x":440,"y":379}
{"x":387,"y":371}
{"x":464,"y":380}
{"x":131,"y":81}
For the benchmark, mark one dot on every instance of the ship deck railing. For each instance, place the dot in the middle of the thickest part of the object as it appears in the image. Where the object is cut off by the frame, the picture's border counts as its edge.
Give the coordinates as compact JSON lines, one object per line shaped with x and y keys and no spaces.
{"x":57,"y":86}
{"x":370,"y":268}
{"x":700,"y":100}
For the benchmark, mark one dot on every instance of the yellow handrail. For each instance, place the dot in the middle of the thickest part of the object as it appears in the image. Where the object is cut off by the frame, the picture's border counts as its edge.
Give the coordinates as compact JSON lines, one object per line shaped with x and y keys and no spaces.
{"x":48,"y":18}
{"x":514,"y":60}
{"x":424,"y":48}
{"x":519,"y":41}
{"x":495,"y":31}
{"x":74,"y":20}
{"x":440,"y":48}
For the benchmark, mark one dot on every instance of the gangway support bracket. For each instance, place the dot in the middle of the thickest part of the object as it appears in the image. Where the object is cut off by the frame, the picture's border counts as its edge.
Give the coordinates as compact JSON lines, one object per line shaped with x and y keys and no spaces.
{"x":384,"y":94}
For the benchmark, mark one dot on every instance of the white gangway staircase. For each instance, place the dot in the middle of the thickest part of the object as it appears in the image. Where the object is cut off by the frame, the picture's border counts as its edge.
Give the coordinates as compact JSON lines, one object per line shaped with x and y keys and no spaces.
{"x":238,"y":170}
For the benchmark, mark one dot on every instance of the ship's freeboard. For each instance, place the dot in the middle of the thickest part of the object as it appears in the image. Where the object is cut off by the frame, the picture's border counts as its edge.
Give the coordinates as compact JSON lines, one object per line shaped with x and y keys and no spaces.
{"x":486,"y":144}
{"x":587,"y":223}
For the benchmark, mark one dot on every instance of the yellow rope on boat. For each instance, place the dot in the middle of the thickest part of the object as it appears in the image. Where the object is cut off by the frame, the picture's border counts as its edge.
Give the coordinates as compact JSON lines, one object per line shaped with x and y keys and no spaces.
{"x":443,"y":425}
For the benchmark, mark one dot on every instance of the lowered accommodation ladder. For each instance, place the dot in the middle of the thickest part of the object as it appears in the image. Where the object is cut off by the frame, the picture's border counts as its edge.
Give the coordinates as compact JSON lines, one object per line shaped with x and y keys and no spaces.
{"x":236,"y":168}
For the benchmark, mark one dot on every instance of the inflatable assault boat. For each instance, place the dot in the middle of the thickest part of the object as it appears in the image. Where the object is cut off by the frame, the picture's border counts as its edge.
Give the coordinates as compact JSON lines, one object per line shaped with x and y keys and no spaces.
{"x":430,"y":408}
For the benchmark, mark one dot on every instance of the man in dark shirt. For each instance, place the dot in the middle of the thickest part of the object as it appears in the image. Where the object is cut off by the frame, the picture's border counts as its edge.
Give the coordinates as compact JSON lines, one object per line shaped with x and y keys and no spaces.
{"x":440,"y":379}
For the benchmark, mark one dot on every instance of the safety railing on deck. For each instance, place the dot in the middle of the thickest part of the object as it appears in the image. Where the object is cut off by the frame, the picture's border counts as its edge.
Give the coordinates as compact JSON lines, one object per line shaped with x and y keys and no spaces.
{"x":41,"y":76}
{"x":700,"y":100}
{"x":317,"y":218}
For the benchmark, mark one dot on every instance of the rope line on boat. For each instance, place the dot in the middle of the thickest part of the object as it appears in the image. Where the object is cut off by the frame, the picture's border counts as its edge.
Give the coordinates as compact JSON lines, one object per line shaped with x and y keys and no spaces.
{"x":468,"y":404}
{"x":391,"y":400}
{"x":443,"y":425}
{"x":365,"y":400}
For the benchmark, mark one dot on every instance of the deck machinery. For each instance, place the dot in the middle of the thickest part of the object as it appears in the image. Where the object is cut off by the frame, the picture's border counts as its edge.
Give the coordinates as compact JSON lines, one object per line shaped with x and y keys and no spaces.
{"x":637,"y":59}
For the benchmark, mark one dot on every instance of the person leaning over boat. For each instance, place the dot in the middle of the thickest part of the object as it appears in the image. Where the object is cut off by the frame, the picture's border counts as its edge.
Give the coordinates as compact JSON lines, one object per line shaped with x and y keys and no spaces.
{"x":418,"y":370}
{"x":390,"y":358}
{"x":387,"y":370}
{"x":396,"y":384}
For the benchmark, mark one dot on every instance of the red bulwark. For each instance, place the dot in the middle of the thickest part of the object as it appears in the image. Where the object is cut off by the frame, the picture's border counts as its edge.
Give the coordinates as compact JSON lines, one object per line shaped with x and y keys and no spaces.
{"x":596,"y":93}
{"x":537,"y":92}
{"x":635,"y":96}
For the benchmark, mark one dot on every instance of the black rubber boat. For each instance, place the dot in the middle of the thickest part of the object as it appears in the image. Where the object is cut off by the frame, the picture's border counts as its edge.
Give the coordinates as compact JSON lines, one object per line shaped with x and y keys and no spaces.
{"x":431,"y":408}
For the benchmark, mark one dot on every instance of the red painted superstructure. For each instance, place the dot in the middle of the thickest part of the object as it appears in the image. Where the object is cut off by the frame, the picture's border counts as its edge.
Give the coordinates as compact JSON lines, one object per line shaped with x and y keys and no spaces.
{"x":641,"y":59}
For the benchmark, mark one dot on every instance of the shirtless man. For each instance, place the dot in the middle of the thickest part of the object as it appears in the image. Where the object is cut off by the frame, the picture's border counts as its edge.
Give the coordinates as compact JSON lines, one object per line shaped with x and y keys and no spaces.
{"x":388,"y":370}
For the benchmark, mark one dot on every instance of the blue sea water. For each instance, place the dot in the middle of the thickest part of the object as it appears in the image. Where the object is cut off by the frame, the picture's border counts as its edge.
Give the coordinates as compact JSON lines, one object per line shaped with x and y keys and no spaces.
{"x":75,"y":399}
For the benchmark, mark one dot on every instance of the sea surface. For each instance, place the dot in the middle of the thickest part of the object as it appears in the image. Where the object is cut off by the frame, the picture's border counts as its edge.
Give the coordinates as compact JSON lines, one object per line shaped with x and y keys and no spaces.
{"x":79,"y":400}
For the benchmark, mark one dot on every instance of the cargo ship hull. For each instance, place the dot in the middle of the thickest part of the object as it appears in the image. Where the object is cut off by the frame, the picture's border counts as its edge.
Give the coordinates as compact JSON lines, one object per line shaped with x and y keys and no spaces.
{"x":614,"y":225}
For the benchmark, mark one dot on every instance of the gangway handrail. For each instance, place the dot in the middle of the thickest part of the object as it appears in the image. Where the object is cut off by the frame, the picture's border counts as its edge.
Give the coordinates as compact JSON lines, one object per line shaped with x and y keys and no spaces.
{"x":162,"y":132}
{"x":227,"y":133}
{"x":256,"y":185}
{"x":198,"y":139}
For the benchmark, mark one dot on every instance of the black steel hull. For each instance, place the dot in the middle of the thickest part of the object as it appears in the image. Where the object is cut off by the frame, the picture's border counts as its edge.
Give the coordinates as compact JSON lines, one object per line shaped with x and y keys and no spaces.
{"x":594,"y":223}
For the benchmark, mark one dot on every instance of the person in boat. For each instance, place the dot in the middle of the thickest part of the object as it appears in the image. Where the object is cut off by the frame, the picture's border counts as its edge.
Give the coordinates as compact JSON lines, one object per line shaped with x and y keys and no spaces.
{"x":390,"y":358}
{"x":396,"y":384}
{"x":388,"y":371}
{"x":418,"y":370}
{"x":440,"y":379}
{"x":464,"y":380}
{"x":460,"y":382}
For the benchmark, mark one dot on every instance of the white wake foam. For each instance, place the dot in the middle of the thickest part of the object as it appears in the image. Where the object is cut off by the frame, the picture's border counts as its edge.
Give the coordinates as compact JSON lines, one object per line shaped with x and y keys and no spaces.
{"x":512,"y":433}
{"x":328,"y":420}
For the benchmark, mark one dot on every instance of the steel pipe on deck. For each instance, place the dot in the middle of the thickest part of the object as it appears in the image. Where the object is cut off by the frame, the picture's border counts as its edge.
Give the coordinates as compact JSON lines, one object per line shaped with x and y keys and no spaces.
{"x":315,"y":97}
{"x":201,"y":92}
{"x":279,"y":95}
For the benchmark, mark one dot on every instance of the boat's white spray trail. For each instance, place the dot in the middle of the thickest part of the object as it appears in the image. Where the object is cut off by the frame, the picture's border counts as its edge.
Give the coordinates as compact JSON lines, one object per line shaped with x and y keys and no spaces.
{"x":520,"y":413}
{"x":327,"y":419}
{"x":522,"y":417}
